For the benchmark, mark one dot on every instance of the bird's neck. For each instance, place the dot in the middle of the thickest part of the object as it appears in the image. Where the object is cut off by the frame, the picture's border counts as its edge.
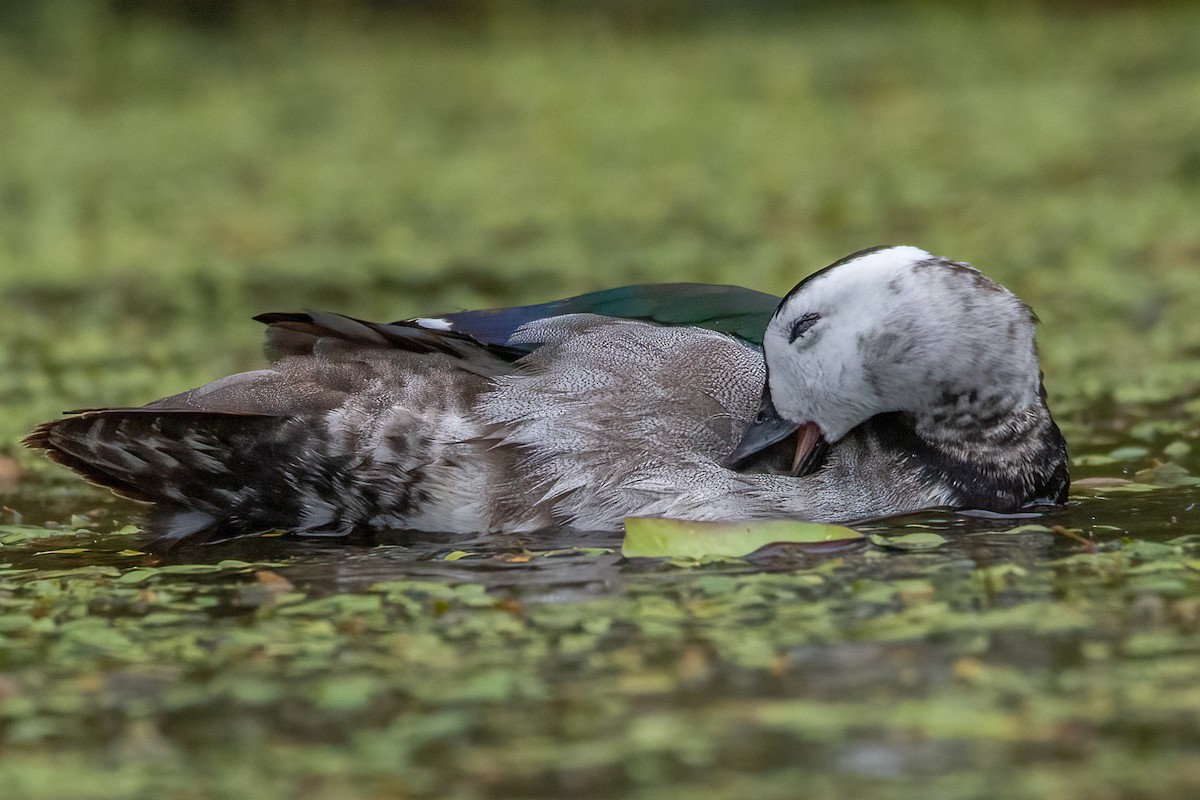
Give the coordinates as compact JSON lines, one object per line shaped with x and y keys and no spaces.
{"x":994,"y":453}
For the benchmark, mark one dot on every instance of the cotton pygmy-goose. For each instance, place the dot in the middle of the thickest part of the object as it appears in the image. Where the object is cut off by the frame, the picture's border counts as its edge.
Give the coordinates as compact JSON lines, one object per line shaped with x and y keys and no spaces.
{"x":892,"y":380}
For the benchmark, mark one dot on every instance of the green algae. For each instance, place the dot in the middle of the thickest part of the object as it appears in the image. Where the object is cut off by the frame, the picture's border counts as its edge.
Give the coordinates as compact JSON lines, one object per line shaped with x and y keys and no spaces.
{"x":409,"y":168}
{"x":483,"y":688}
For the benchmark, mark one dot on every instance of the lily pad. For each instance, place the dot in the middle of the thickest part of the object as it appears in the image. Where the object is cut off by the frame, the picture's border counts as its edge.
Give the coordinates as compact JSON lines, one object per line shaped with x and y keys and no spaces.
{"x":909,"y":541}
{"x":1100,"y":482}
{"x":1030,"y":528}
{"x":1177,"y":449}
{"x":653,"y":537}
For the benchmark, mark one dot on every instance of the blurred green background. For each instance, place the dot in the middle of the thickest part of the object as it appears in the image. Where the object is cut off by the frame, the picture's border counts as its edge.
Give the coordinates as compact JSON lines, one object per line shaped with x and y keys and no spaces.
{"x":169,"y":169}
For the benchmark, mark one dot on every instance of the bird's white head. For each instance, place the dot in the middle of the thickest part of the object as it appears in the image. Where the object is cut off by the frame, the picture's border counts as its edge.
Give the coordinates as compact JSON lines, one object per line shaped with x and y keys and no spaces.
{"x":891,"y":329}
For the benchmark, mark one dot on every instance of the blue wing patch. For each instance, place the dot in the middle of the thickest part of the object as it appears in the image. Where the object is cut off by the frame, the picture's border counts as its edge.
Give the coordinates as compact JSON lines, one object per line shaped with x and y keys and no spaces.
{"x":732,"y":310}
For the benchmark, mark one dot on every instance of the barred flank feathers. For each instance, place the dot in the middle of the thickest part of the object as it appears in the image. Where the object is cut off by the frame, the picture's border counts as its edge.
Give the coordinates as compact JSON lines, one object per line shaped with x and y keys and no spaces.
{"x":199,"y":460}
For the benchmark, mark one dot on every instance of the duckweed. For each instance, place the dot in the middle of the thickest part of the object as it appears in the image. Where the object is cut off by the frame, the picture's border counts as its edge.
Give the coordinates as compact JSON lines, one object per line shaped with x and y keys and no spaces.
{"x":163,"y":183}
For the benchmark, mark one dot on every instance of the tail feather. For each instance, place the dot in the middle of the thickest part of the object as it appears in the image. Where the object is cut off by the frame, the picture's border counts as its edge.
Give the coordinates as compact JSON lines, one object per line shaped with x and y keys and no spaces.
{"x":64,"y":446}
{"x":198,"y":466}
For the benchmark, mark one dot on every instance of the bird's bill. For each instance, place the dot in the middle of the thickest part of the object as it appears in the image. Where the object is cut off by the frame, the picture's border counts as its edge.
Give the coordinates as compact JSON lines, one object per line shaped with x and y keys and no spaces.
{"x":769,"y":428}
{"x":811,"y":448}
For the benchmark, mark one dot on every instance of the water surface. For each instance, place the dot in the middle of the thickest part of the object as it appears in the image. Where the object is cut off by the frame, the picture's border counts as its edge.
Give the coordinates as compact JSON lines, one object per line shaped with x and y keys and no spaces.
{"x":1055,"y":652}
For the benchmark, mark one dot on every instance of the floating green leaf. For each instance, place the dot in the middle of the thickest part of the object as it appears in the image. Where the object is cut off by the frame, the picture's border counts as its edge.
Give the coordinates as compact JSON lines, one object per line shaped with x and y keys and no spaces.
{"x":1030,"y":528}
{"x":655,"y":537}
{"x":1130,"y":453}
{"x":909,"y":541}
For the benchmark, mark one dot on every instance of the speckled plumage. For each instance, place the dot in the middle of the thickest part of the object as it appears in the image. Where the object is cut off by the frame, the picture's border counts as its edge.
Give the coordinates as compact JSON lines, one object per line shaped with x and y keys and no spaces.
{"x":582,"y":419}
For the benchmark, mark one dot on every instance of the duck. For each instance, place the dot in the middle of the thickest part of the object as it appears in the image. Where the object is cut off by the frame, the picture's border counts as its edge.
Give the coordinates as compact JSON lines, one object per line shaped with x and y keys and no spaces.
{"x":888,"y":382}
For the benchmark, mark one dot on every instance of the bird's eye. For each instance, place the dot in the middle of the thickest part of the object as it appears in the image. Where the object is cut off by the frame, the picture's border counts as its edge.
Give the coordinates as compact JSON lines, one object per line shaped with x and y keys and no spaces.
{"x":803,"y":324}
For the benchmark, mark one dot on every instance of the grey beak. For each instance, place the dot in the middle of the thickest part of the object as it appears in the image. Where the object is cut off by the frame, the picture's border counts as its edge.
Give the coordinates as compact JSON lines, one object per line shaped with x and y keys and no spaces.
{"x":767,"y":429}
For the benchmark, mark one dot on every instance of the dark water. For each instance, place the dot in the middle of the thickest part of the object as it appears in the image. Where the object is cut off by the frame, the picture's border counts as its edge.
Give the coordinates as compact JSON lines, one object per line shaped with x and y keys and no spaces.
{"x":1062,"y":655}
{"x":336,"y":564}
